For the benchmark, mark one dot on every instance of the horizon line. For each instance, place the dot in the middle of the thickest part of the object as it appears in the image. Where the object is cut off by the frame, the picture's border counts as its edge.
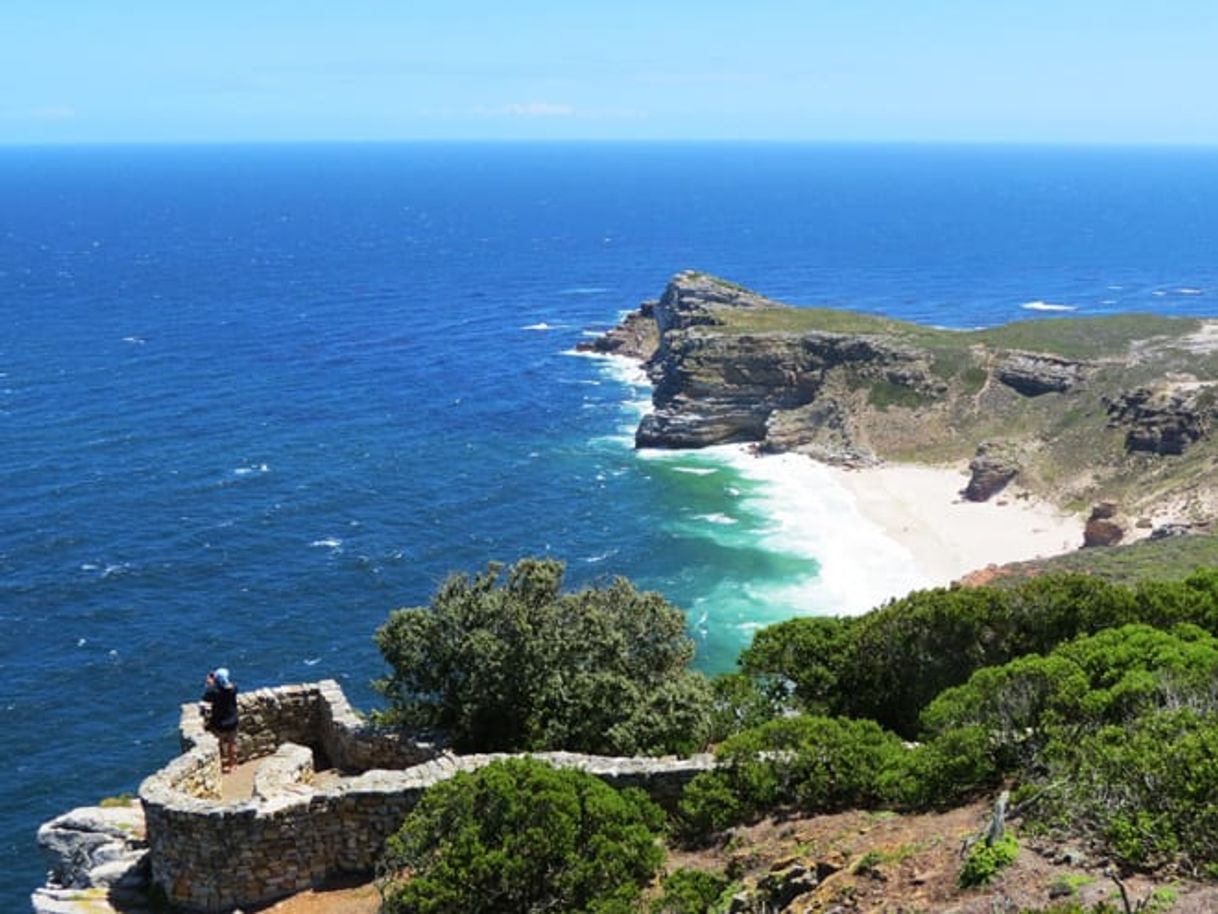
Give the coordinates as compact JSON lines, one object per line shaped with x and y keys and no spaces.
{"x":618,"y":141}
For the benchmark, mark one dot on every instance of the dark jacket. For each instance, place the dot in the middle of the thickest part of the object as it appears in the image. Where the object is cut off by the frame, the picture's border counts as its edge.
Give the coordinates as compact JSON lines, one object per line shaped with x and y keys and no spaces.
{"x":223,"y":701}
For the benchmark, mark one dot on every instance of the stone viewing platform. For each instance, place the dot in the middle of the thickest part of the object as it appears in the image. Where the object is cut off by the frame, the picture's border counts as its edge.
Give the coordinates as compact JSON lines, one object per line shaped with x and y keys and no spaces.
{"x":327,"y":789}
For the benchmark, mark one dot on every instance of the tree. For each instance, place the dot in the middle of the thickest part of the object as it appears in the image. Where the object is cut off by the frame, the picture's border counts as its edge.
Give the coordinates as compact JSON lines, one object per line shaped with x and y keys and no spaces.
{"x":518,"y":837}
{"x":508,"y":662}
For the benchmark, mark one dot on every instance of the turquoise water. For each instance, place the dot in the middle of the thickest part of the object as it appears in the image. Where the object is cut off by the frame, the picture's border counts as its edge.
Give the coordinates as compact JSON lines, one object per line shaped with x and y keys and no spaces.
{"x":253,"y":398}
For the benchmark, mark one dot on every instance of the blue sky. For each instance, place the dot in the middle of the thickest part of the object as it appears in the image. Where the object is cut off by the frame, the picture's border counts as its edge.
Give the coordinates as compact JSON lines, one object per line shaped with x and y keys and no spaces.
{"x":854,"y":70}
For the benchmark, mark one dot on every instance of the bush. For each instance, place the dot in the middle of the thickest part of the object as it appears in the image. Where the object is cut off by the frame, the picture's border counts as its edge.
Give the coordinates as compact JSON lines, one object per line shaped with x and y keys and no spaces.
{"x":813,"y":764}
{"x":688,"y":891}
{"x":1106,"y":678}
{"x":520,"y":836}
{"x":985,"y":860}
{"x":1148,"y":789}
{"x":890,"y":663}
{"x":806,"y":654}
{"x":508,"y":662}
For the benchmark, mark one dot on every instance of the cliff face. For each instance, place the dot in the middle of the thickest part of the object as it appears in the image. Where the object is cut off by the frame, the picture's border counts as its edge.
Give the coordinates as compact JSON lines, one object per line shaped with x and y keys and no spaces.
{"x":1077,"y":410}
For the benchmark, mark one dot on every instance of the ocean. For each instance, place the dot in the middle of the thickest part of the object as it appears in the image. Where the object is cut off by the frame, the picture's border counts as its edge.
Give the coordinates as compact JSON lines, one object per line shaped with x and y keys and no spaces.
{"x":252,"y":398}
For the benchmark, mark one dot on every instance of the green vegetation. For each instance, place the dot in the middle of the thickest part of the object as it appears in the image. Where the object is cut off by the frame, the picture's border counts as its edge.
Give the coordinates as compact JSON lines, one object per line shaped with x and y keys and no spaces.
{"x":985,"y":860}
{"x":1169,"y":559}
{"x":688,"y":891}
{"x":512,"y":662}
{"x":889,"y":664}
{"x":1093,"y":701}
{"x":1097,"y":698}
{"x":812,"y":764}
{"x":520,"y":836}
{"x":884,"y":394}
{"x":120,"y":801}
{"x":1084,"y":337}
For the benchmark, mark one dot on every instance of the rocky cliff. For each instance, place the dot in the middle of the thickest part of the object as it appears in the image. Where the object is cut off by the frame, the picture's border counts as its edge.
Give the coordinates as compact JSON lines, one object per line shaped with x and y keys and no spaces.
{"x":1113,"y":409}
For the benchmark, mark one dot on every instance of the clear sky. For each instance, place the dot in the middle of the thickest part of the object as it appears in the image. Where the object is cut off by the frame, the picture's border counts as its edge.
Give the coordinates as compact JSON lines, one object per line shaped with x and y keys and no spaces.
{"x":1124,"y":71}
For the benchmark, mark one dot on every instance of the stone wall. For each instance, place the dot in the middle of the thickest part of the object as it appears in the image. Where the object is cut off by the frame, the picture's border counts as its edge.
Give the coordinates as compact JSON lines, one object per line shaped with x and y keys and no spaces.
{"x":300,"y":828}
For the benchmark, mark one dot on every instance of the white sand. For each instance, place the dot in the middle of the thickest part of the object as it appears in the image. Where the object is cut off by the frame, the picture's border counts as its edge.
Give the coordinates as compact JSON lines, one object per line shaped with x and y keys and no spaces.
{"x":948,"y":537}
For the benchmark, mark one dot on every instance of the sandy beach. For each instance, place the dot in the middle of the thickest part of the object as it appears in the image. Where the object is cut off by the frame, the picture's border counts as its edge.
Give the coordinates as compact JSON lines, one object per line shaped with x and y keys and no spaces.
{"x":921,"y":508}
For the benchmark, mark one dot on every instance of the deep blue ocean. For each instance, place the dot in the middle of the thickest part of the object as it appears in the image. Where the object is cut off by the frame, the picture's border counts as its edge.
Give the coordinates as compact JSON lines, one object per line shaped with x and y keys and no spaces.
{"x":254,"y":398}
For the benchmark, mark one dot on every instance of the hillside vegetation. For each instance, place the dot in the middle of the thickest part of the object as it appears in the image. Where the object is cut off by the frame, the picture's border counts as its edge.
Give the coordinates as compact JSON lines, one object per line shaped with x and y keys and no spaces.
{"x":1091,"y":701}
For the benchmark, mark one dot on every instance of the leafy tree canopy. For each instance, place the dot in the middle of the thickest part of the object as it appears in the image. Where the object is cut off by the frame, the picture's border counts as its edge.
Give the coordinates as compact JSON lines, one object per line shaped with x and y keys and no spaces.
{"x":506,"y":661}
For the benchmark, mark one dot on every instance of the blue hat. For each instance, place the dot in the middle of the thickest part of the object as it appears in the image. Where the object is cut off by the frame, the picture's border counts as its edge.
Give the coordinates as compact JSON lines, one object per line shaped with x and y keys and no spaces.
{"x":222,"y":676}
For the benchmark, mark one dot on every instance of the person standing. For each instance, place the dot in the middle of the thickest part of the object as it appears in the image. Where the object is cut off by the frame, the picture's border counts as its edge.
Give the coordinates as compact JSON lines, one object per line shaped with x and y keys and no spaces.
{"x":221,"y":694}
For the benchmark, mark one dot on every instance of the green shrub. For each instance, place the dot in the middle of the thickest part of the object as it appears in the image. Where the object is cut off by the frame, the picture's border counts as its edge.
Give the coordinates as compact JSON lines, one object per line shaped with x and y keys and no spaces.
{"x":739,"y":703}
{"x":1106,"y":678}
{"x":520,"y":836}
{"x":808,"y":653}
{"x":688,"y":891}
{"x":889,"y":664}
{"x":943,"y":771}
{"x":813,"y":764}
{"x":1148,"y":788}
{"x":985,"y":860}
{"x":518,"y":664}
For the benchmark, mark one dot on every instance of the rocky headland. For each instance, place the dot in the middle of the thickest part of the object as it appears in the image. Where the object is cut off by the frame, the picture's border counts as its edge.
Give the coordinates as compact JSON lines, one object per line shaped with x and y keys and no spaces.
{"x":1109,"y":413}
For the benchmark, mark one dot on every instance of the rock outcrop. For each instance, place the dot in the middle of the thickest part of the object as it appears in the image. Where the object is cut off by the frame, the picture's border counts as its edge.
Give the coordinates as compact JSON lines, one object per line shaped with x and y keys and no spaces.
{"x":1102,"y":528}
{"x":98,"y":860}
{"x":636,"y":336}
{"x":715,"y":386}
{"x":990,"y":472}
{"x":1078,"y":404}
{"x":1163,"y":420}
{"x":1036,"y":373}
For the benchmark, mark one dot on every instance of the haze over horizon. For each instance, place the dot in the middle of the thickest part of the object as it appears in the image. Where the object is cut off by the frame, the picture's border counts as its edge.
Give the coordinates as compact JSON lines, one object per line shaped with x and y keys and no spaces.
{"x":1080,"y":71}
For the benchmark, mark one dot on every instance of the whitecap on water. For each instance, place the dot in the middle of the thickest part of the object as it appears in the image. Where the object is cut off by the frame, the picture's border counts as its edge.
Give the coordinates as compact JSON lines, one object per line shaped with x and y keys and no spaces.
{"x":542,"y":325}
{"x":716,"y":518}
{"x":1046,"y":306}
{"x":329,"y":542}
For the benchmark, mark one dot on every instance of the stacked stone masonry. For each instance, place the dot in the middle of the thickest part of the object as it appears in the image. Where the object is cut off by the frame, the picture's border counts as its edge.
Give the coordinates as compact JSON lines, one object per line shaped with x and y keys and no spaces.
{"x":300,"y":828}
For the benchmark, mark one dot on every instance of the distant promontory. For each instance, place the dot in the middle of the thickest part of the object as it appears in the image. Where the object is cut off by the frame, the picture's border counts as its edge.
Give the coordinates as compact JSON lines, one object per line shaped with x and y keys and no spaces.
{"x":1112,"y":414}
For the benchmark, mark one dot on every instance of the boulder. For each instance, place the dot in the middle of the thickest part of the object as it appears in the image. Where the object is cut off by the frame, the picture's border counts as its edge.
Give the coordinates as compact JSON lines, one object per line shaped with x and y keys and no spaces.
{"x":1102,"y":529}
{"x":94,"y":845}
{"x":781,"y":888}
{"x":990,"y":471}
{"x":1036,"y":373}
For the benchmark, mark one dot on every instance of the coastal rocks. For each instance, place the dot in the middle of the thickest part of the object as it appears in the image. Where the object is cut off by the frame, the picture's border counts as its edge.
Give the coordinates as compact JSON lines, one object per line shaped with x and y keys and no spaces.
{"x":690,"y":297}
{"x":1036,"y":373}
{"x":93,"y":845}
{"x":821,"y":430}
{"x":97,"y":855}
{"x":991,"y":470}
{"x":1102,"y":528}
{"x":1164,"y":420}
{"x":636,"y":336}
{"x":713,"y":387}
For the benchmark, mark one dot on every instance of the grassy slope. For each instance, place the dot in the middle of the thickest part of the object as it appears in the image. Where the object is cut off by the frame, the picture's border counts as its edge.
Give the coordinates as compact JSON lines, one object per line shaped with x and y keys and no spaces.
{"x":1166,"y":559}
{"x":1069,"y":337}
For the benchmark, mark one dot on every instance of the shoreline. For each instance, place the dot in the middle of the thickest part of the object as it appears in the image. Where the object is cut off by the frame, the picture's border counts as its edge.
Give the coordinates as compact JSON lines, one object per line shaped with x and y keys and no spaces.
{"x":920,"y":508}
{"x":899,"y":526}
